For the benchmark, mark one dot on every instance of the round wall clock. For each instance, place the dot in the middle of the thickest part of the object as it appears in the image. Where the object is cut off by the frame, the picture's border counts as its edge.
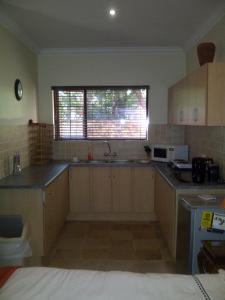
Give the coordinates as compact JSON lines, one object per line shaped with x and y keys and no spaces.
{"x":18,"y":89}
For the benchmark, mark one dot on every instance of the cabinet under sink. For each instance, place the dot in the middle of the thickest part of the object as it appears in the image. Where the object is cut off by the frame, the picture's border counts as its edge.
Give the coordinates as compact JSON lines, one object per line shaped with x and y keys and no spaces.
{"x":112,"y":192}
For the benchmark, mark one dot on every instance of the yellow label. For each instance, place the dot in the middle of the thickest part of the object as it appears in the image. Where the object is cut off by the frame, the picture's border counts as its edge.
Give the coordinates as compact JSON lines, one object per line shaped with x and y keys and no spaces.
{"x":206,"y":220}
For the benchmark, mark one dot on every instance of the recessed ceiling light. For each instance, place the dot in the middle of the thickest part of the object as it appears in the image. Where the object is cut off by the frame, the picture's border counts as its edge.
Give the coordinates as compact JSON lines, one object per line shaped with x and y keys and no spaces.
{"x":112,"y":12}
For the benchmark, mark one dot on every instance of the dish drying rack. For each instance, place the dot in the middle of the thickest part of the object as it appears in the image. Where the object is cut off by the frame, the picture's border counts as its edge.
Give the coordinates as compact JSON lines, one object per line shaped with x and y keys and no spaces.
{"x":41,"y":139}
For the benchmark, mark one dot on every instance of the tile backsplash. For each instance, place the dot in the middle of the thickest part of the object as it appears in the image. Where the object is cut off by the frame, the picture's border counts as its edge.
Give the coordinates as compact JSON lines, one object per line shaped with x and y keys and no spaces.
{"x":13,"y":138}
{"x":125,"y":149}
{"x":166,"y":134}
{"x":202,"y":140}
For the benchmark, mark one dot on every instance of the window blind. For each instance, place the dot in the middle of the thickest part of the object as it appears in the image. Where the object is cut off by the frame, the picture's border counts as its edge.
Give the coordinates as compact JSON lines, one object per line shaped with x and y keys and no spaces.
{"x":100,"y":112}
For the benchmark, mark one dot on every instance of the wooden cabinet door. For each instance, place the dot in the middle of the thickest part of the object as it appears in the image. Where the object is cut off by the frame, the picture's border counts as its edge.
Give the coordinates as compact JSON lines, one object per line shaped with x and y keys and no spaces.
{"x":51,"y":217}
{"x":197,"y":85}
{"x":177,"y":109}
{"x":55,"y":209}
{"x":216,"y":94}
{"x":179,"y":102}
{"x":143,"y":189}
{"x":189,"y":99}
{"x":121,"y":189}
{"x":79,"y":182}
{"x":165,"y":207}
{"x":172,"y":114}
{"x":62,"y":194}
{"x":101,"y":189}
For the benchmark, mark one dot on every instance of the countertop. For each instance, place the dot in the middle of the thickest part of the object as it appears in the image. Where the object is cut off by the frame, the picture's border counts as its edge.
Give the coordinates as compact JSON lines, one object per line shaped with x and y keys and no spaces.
{"x":41,"y":176}
{"x":193,"y":201}
{"x":168,"y":174}
{"x":35,"y":177}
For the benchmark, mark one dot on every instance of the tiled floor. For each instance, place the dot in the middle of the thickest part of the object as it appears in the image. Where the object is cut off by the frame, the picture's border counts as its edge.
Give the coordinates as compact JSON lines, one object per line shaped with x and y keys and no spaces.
{"x":136,"y":247}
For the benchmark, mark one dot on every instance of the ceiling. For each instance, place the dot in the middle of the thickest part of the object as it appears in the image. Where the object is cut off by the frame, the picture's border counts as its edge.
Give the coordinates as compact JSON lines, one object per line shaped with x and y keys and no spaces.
{"x":86,"y":23}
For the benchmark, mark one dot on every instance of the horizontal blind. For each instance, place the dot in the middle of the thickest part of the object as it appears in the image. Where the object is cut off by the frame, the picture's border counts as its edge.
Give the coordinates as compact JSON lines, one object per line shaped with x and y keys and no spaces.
{"x":69,"y":114}
{"x":119,"y":114}
{"x":100,"y":112}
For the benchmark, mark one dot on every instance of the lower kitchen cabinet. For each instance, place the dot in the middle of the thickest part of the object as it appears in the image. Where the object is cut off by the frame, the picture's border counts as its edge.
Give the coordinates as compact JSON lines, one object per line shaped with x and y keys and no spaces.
{"x":45,"y":210}
{"x":100,"y":189}
{"x":165,"y":208}
{"x":79,"y":187}
{"x":121,"y":189}
{"x":143,"y":186}
{"x":112,"y":192}
{"x":55,"y":209}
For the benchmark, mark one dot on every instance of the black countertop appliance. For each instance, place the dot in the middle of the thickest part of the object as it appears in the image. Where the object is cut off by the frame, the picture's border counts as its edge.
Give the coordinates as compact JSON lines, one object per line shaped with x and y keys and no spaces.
{"x":200,"y":167}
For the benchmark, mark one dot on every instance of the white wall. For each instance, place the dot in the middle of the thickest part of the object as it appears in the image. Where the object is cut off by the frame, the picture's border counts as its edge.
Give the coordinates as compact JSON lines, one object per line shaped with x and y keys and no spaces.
{"x":217,"y":36}
{"x":158,"y":69}
{"x":17,"y":61}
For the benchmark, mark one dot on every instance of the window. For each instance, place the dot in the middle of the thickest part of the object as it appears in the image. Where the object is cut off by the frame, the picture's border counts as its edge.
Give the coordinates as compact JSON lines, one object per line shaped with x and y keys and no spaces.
{"x":100,"y":112}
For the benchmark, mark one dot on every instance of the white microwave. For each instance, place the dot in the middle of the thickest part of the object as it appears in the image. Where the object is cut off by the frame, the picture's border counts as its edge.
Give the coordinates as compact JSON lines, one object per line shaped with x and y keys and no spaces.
{"x":166,"y":153}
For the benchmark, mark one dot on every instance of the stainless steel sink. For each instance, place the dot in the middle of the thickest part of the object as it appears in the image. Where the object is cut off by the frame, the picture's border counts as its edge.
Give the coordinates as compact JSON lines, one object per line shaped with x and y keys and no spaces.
{"x":96,"y":161}
{"x":121,"y":161}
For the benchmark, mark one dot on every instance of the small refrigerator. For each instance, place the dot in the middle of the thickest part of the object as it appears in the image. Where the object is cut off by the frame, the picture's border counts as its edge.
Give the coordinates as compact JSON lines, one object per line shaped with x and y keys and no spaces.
{"x":198,"y":220}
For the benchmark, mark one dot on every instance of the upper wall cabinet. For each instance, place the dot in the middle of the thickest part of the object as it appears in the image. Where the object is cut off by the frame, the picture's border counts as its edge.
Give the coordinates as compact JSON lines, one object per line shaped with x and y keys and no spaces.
{"x":199,"y":98}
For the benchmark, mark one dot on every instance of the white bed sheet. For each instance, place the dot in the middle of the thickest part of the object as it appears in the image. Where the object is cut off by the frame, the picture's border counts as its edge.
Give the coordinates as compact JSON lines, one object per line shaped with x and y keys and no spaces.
{"x":59,"y":284}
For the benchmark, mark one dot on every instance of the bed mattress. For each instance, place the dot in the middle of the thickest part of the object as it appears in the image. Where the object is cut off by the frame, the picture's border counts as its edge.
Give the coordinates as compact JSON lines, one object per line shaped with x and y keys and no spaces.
{"x":42,"y":283}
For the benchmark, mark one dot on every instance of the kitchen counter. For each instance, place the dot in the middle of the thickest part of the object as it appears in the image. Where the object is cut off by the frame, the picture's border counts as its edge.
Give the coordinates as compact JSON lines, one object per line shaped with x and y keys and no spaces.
{"x":41,"y":176}
{"x":168,"y":175}
{"x":34,"y":177}
{"x":196,"y":202}
{"x":116,"y":163}
{"x":37,"y":177}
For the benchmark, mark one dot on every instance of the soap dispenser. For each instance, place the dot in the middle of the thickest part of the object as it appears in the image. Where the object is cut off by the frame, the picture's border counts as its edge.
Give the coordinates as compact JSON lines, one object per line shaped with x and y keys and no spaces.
{"x":90,"y":154}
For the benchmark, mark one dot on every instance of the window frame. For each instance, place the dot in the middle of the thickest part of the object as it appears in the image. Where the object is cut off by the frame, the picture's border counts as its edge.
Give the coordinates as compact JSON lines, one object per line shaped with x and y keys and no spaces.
{"x":55,"y":90}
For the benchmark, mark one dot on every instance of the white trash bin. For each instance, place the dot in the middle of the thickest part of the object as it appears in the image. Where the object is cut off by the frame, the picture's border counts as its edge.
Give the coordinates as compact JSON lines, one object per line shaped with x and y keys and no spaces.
{"x":14,"y":241}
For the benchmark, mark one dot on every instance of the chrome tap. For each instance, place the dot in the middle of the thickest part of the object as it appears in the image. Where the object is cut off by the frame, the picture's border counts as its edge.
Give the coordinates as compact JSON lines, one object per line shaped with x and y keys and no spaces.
{"x":109,"y":153}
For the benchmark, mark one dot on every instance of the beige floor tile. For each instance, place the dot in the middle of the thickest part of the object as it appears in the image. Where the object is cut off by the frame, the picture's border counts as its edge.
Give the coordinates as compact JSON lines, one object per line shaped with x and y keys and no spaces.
{"x":120,"y":235}
{"x":121,"y":252}
{"x":94,"y":253}
{"x":75,"y":229}
{"x":101,"y":225}
{"x":145,"y":234}
{"x":116,"y":265}
{"x":98,"y":233}
{"x":143,"y":244}
{"x":144,"y":225}
{"x":125,"y":246}
{"x":68,"y":243}
{"x":120,"y":226}
{"x":67,"y":253}
{"x":121,"y":244}
{"x":93,"y":243}
{"x":149,"y":254}
{"x":82,"y":264}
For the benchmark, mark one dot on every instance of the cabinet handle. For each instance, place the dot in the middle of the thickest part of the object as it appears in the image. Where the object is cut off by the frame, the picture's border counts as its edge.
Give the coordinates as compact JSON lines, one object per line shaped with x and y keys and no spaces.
{"x":195,"y":114}
{"x":181,"y":115}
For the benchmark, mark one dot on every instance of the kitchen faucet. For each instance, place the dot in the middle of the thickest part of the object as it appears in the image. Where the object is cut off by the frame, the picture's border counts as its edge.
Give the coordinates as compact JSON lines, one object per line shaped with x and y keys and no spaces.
{"x":109,"y":153}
